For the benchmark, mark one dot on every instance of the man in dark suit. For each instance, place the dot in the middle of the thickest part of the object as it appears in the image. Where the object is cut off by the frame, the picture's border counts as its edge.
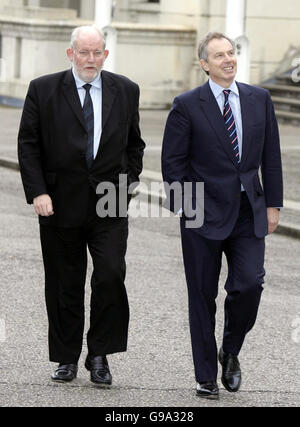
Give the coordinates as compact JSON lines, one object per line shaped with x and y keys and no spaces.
{"x":221,"y":134}
{"x":80,"y":128}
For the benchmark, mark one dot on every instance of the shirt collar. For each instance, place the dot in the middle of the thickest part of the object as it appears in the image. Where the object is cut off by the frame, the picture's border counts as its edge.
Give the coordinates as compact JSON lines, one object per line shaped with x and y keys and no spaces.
{"x":217,"y":89}
{"x":79,"y":83}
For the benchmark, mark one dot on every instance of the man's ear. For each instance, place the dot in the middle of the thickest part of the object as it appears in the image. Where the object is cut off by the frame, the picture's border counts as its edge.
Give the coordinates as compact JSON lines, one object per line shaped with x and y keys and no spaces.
{"x":70,"y":54}
{"x":106,"y":53}
{"x":204,"y":65}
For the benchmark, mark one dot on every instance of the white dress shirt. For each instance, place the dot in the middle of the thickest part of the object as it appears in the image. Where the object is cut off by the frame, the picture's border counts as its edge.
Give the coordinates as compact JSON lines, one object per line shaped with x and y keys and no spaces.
{"x":96,"y":95}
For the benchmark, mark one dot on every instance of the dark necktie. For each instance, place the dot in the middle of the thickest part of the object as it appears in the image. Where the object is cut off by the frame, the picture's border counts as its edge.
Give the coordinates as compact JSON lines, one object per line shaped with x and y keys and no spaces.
{"x":230,"y":126}
{"x":88,"y":112}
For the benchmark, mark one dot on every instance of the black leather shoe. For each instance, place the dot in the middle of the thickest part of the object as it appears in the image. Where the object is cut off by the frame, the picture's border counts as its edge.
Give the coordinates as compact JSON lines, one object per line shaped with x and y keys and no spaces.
{"x":98,"y":366}
{"x":208,"y":390}
{"x":65,"y":373}
{"x":231,"y":372}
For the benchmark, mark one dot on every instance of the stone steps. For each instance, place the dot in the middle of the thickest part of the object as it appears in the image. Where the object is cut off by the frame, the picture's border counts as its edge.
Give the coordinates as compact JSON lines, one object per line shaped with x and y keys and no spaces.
{"x":287,"y":116}
{"x":286,"y":98}
{"x":285,"y":89}
{"x":286,"y":101}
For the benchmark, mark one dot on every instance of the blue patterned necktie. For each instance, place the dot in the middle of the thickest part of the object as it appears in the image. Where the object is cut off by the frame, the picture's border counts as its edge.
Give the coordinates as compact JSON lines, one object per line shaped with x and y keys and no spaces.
{"x":230,"y":126}
{"x":88,"y":112}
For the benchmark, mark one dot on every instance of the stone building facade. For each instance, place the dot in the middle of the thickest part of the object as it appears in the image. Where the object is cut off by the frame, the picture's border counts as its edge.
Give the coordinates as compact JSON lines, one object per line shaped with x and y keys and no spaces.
{"x":156,"y":40}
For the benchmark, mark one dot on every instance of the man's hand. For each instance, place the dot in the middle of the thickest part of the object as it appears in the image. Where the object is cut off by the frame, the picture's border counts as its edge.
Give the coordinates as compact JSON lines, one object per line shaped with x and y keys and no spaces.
{"x":43,"y":205}
{"x":273,"y":219}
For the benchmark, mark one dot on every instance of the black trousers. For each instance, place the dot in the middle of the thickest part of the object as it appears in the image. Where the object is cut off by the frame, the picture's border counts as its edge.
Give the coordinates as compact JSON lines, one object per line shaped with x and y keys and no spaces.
{"x":202,"y":261}
{"x":65,"y":262}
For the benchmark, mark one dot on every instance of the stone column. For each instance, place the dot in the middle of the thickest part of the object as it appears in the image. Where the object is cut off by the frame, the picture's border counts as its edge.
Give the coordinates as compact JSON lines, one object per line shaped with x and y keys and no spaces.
{"x":103,"y":18}
{"x":236,"y":29}
{"x":103,"y":12}
{"x":235,"y":19}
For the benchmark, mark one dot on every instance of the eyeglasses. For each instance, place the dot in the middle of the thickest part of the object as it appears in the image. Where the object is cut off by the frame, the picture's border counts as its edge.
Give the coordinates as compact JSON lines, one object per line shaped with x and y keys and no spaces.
{"x":86,"y":53}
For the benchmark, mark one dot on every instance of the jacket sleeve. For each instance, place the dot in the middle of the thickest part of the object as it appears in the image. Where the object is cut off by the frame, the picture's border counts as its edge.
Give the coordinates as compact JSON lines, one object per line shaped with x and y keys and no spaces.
{"x":271,"y":167}
{"x":29,"y":148}
{"x":175,"y":152}
{"x":135,"y":146}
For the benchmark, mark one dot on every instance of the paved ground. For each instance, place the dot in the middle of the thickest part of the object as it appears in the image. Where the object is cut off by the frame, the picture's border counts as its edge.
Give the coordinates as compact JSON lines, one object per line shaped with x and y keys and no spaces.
{"x":157,"y":370}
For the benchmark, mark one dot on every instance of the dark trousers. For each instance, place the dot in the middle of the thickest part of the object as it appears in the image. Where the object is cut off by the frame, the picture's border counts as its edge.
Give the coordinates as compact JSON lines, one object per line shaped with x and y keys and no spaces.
{"x":65,"y":262}
{"x":202,"y":261}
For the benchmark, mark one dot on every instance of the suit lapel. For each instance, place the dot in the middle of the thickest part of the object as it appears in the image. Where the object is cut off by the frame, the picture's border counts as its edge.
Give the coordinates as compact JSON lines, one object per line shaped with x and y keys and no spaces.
{"x":109,"y":93}
{"x":212,"y":112}
{"x":71,"y":94}
{"x":248,"y":112}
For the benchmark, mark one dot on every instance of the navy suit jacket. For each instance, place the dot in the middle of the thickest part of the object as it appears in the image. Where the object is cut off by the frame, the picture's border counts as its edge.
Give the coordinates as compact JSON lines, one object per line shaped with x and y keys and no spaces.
{"x":196,"y":148}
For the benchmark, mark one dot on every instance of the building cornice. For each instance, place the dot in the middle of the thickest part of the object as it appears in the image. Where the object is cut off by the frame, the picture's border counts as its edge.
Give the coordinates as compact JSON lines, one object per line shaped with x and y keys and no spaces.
{"x":42,"y":29}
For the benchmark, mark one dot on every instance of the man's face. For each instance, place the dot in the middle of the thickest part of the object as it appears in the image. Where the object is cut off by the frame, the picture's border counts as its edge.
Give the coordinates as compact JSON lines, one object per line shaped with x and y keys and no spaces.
{"x":221,"y":62}
{"x":88,"y":55}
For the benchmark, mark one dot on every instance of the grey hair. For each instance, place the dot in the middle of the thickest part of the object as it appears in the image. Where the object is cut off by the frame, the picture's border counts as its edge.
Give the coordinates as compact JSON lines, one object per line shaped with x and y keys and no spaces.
{"x":77,"y":31}
{"x":202,"y":50}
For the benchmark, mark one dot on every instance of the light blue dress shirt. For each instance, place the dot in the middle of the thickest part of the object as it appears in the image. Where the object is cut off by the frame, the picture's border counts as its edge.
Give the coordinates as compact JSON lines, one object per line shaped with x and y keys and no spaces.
{"x":96,"y":95}
{"x":235,"y":104}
